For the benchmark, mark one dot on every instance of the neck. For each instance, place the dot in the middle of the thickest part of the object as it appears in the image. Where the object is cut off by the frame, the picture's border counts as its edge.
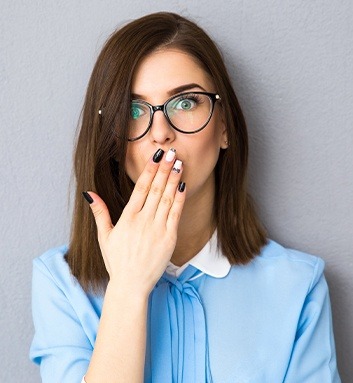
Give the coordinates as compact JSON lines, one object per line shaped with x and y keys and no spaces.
{"x":196,"y":226}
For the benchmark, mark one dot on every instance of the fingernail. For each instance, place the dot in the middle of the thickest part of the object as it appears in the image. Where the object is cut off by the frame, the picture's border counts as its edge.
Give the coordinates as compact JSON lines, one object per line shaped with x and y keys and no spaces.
{"x":87,"y":197}
{"x":158,"y":155}
{"x":181,"y":186}
{"x":177,"y":166}
{"x":170,"y":155}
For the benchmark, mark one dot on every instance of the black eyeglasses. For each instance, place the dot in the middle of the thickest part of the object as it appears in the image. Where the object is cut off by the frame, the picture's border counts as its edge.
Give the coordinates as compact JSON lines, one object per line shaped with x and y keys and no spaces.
{"x":187,"y":113}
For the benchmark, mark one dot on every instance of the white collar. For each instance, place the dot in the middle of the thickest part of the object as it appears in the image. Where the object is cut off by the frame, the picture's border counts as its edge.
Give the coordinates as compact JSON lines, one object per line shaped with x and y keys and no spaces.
{"x":209,"y":260}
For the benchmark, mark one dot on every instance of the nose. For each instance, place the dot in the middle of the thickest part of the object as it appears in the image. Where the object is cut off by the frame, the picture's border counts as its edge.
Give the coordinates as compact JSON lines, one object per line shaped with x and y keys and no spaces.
{"x":161,"y":132}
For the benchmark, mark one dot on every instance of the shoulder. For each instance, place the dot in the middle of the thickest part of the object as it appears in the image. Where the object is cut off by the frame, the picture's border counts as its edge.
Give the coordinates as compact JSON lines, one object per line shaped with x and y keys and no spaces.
{"x":55,"y":253}
{"x":55,"y":289}
{"x":51,"y":260}
{"x":273,"y":250}
{"x":273,"y":253}
{"x":292,"y":265}
{"x":51,"y":267}
{"x":281,"y":271}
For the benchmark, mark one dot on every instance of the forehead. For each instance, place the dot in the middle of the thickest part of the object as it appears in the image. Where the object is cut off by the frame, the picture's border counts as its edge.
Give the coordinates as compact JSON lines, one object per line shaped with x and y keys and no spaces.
{"x":167,"y":69}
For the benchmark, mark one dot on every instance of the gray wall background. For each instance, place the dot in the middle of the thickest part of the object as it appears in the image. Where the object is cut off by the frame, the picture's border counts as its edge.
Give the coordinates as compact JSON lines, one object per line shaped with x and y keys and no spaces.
{"x":291,"y":62}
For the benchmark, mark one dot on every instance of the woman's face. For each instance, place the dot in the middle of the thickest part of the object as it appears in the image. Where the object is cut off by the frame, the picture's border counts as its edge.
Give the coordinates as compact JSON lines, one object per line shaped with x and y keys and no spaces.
{"x":159,"y":76}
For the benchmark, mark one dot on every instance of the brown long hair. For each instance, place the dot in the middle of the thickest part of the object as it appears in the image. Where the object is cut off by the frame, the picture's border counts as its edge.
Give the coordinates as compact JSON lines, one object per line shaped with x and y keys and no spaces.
{"x":100,"y":157}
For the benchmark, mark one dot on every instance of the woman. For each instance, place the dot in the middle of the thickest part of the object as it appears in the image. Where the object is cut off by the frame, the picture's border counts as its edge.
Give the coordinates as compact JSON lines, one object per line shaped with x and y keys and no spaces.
{"x":172,"y":279}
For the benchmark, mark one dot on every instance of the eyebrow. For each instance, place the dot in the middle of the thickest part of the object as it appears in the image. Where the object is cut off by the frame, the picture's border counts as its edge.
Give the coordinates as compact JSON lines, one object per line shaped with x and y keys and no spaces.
{"x":179,"y":89}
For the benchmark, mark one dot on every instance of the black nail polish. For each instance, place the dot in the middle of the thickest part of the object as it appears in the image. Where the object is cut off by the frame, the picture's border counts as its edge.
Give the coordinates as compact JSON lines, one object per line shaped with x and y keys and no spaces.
{"x":158,"y":155}
{"x":87,"y":197}
{"x":181,"y":186}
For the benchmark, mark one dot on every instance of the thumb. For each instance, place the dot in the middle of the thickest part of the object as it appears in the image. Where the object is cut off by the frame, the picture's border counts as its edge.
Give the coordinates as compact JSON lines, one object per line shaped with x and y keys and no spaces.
{"x":101,"y":214}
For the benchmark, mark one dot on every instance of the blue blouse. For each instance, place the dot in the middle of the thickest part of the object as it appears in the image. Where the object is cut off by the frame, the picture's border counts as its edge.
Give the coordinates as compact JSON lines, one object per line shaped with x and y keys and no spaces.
{"x":267,"y":321}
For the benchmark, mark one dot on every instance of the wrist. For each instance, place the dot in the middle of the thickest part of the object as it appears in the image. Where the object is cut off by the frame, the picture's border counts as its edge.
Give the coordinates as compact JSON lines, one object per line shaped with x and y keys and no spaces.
{"x":134,"y":293}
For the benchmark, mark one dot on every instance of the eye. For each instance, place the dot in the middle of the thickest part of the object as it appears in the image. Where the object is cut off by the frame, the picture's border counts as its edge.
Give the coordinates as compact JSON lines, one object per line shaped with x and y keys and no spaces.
{"x":185,"y":104}
{"x":137,"y":110}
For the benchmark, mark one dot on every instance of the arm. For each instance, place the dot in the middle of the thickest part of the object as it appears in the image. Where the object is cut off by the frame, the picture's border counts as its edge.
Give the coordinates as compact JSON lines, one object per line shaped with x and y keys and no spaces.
{"x":60,"y":345}
{"x":136,"y":252}
{"x":313,"y":356}
{"x":119,"y":352}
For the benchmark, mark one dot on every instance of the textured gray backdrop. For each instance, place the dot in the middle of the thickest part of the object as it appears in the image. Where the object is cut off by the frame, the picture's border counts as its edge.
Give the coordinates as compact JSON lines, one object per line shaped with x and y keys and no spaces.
{"x":291,"y":62}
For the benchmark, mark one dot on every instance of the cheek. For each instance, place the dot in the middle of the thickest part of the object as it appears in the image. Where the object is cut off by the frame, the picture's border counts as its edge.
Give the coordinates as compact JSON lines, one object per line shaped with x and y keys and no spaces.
{"x":135,"y":161}
{"x":204,"y":155}
{"x":211,"y":144}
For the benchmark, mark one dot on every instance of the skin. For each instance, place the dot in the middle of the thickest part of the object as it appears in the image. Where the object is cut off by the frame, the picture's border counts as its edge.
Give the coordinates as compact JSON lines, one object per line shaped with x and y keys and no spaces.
{"x":155,"y":80}
{"x":159,"y":223}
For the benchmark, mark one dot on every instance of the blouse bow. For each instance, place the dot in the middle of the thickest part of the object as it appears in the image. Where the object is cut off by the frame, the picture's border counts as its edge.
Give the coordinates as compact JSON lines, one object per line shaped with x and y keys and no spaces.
{"x":177,"y":346}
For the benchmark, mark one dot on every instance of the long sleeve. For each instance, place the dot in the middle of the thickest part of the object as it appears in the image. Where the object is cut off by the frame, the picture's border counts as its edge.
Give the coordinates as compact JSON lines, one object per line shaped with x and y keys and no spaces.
{"x":313,"y":357}
{"x":60,"y":345}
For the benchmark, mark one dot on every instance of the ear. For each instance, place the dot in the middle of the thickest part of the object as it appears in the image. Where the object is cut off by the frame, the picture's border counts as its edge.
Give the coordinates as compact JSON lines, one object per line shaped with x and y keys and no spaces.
{"x":224,"y":143}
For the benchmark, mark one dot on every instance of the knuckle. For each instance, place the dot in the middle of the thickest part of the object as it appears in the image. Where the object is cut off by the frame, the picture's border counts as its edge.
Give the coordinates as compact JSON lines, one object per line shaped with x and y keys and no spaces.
{"x":179,"y":198}
{"x":156,"y":190}
{"x":175,"y":215}
{"x":142,"y":187}
{"x":166,"y":201}
{"x":150,"y":170}
{"x":164,"y":170}
{"x":98,"y":212}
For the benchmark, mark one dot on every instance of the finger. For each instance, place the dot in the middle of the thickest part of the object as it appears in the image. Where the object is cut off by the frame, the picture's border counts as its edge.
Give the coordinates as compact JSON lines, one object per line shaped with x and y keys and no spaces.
{"x":177,"y":208}
{"x":101,"y":215}
{"x":168,"y":196}
{"x":159,"y":183}
{"x":143,"y":184}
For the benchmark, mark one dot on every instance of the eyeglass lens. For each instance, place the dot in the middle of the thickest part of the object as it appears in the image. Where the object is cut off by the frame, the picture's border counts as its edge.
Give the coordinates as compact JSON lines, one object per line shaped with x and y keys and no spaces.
{"x":188,"y":113}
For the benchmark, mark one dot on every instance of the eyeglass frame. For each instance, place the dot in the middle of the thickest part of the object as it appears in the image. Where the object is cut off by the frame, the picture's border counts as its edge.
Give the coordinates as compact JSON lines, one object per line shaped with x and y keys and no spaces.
{"x":214,"y":97}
